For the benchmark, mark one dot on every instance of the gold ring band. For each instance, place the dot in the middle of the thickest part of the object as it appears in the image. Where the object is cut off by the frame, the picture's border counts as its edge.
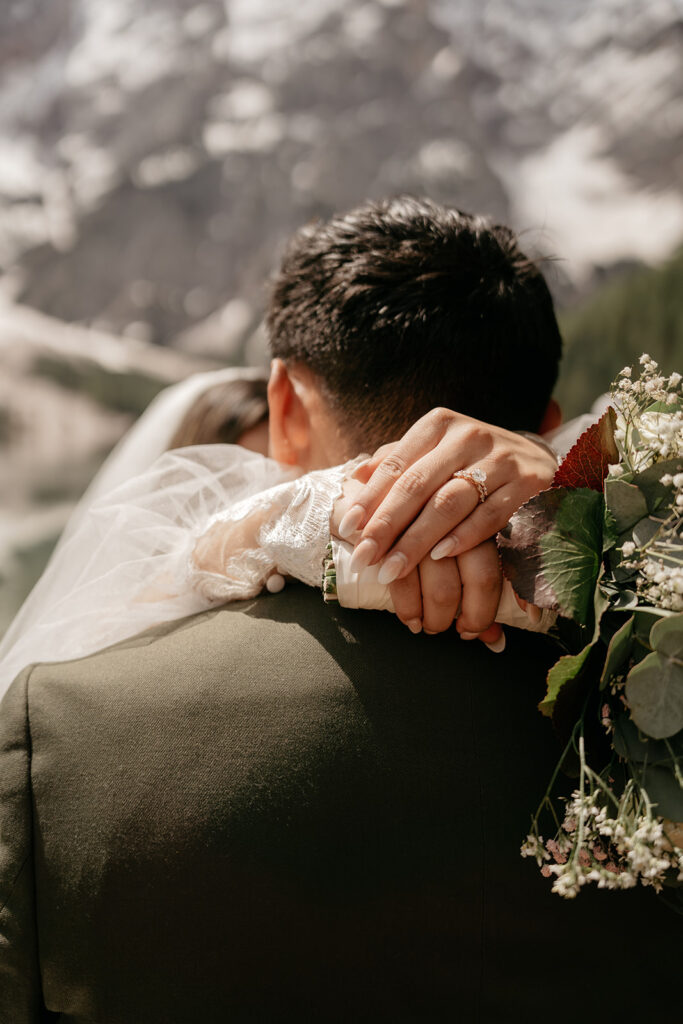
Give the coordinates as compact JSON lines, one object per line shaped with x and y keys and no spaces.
{"x":476,"y":477}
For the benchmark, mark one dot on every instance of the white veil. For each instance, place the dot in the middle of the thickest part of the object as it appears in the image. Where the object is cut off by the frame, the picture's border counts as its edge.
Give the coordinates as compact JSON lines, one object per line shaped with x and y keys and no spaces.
{"x":151,"y":435}
{"x":138,"y":450}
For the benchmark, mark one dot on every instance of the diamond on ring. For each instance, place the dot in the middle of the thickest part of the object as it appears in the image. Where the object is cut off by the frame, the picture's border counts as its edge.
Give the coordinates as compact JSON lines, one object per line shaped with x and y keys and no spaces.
{"x":477,"y":477}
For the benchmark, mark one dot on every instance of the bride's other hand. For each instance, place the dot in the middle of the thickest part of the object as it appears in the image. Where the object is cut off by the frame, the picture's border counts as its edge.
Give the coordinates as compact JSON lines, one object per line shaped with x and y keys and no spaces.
{"x":468,"y":589}
{"x":410,"y":504}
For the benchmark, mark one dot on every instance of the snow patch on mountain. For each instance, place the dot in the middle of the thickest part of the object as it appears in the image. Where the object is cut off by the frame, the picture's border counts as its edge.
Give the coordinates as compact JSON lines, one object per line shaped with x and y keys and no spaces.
{"x":590,"y":211}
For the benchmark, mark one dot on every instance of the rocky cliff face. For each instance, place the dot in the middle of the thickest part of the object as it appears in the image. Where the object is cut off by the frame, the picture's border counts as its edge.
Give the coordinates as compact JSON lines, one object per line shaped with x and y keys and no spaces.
{"x":155,"y":153}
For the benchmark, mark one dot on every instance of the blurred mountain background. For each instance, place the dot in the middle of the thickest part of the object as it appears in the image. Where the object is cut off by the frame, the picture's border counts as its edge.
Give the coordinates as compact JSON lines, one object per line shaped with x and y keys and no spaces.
{"x":155,"y":154}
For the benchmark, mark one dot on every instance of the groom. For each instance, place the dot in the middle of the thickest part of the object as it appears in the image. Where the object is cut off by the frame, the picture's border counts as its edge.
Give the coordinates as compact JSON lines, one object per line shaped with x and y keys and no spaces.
{"x":280,"y":810}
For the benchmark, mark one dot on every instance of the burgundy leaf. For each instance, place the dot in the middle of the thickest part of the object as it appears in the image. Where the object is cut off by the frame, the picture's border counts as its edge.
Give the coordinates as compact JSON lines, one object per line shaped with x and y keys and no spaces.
{"x":586,"y":464}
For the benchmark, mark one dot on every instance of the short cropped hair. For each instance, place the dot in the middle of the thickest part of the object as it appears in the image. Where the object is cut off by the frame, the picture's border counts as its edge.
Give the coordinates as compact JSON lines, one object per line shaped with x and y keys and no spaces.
{"x":403,"y":305}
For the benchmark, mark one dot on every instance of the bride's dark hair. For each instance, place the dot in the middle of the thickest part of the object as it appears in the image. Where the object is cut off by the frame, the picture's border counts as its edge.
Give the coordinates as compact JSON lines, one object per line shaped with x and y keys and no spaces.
{"x":223,"y":413}
{"x":403,"y":305}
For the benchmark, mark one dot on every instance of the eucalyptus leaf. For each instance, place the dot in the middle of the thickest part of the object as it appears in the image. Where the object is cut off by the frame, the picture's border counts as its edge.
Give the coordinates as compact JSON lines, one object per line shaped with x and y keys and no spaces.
{"x":654,"y":691}
{"x":601,"y":604}
{"x":626,"y":600}
{"x":662,"y":407}
{"x":631,"y":744}
{"x":644,"y":531}
{"x":667,"y":637}
{"x":610,"y":533}
{"x":645,"y":618}
{"x":656,"y":494}
{"x":626,"y":502}
{"x":663,"y":789}
{"x":618,"y":652}
{"x":648,"y":612}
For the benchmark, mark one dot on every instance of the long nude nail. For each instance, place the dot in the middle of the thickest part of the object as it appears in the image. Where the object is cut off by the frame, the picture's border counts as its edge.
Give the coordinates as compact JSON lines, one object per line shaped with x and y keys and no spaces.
{"x":363,"y":555}
{"x":447,"y":546}
{"x":414,"y":625}
{"x":392,"y":568}
{"x":351,"y":521}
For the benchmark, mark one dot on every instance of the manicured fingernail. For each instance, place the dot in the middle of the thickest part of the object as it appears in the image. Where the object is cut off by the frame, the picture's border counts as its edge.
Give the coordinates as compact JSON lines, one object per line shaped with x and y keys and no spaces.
{"x":392,"y":568}
{"x":497,"y":646}
{"x":447,"y":546}
{"x":363,"y":555}
{"x":414,"y":625}
{"x":469,"y":636}
{"x":351,"y":521}
{"x":534,"y":614}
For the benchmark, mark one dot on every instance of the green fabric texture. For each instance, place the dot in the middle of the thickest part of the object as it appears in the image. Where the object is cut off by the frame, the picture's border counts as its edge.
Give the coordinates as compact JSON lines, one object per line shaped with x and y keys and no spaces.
{"x":287,"y":810}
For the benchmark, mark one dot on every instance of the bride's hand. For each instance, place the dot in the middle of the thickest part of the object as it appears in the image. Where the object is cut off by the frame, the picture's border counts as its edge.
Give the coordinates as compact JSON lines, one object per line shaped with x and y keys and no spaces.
{"x":411,"y":506}
{"x":468,"y":588}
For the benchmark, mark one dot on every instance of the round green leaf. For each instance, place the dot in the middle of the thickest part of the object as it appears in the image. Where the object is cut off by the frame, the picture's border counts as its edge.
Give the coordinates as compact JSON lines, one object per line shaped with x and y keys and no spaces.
{"x":663,"y":789}
{"x":631,"y":744}
{"x":667,"y":637}
{"x":626,"y":502}
{"x":649,"y":482}
{"x":654,"y":691}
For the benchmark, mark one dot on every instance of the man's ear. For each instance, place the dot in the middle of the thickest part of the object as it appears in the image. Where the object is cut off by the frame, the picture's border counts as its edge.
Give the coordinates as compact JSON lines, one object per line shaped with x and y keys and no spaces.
{"x":552,"y":418}
{"x":288,"y":419}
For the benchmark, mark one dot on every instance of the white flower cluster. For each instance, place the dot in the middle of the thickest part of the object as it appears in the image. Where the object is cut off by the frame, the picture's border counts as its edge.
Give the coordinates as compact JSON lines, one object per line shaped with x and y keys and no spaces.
{"x":661,"y":585}
{"x":646,"y":435}
{"x":612,"y":852}
{"x":659,"y":562}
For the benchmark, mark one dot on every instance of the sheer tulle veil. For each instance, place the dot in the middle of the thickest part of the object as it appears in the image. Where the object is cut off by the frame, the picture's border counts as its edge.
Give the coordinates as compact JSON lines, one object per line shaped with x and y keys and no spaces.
{"x":25,"y":641}
{"x":151,"y":435}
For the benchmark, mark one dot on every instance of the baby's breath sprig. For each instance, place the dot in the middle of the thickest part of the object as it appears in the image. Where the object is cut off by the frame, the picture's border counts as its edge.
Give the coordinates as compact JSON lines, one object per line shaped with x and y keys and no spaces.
{"x":649,"y":430}
{"x":613,"y":842}
{"x":649,"y":416}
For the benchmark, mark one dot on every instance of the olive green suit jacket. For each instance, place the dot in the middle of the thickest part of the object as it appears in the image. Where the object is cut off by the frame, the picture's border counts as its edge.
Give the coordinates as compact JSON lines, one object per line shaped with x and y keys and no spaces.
{"x":282,"y":810}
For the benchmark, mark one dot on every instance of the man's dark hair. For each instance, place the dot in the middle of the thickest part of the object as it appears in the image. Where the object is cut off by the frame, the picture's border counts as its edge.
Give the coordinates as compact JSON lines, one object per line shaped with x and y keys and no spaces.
{"x":403,"y":305}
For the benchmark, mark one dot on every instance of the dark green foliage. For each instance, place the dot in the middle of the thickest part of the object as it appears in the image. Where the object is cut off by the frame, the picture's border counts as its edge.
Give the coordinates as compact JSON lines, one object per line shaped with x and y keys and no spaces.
{"x":640,"y":312}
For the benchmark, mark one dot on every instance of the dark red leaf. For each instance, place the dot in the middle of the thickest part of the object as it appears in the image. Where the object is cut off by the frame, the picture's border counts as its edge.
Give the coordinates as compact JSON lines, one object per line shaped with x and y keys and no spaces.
{"x":586,"y":464}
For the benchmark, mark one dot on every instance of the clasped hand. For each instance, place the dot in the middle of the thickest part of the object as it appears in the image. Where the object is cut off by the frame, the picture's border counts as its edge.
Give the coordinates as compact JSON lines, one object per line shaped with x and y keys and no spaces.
{"x":430,"y":530}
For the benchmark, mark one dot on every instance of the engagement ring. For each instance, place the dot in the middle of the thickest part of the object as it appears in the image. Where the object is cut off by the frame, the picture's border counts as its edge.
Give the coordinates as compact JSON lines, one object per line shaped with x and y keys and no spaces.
{"x":476,"y":477}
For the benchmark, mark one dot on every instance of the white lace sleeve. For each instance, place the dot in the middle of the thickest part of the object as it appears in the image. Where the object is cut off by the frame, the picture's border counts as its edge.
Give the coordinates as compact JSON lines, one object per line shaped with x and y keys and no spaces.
{"x":285,"y":529}
{"x":137,"y":559}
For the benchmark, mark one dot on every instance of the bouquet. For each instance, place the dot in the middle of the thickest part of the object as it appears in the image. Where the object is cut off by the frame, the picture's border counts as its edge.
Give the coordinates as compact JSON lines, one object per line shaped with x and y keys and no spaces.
{"x":603,"y":547}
